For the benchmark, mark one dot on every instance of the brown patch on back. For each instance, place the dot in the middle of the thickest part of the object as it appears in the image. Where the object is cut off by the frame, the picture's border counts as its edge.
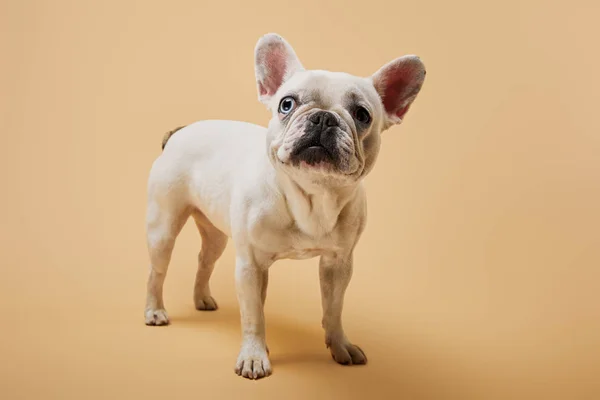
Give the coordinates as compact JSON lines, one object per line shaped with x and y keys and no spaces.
{"x":169,"y":134}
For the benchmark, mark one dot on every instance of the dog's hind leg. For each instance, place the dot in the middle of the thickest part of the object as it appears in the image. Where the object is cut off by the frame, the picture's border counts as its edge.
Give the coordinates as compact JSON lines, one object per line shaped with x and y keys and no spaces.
{"x":213,"y":245}
{"x":163,"y":224}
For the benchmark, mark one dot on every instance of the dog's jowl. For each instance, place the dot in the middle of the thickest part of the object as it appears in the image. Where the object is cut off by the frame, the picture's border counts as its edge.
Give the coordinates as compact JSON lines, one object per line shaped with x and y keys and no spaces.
{"x":292,"y":190}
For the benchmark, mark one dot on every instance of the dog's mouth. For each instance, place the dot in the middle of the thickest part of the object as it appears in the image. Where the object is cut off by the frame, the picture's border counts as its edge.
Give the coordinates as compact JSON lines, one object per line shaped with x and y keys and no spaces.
{"x":316,"y":149}
{"x":312,"y":154}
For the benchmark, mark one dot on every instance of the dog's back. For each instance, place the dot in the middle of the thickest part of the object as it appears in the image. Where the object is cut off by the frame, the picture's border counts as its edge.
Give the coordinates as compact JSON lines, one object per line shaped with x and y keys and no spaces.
{"x":200,"y":161}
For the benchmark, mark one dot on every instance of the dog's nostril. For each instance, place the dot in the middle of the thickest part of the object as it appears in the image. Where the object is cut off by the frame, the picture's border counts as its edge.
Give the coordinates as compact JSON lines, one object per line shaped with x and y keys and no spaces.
{"x":330,"y":120}
{"x":316,"y":118}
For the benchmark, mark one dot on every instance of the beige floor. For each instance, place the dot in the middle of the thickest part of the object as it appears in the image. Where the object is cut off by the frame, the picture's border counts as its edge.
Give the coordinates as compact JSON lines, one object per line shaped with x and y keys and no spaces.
{"x":478,"y":275}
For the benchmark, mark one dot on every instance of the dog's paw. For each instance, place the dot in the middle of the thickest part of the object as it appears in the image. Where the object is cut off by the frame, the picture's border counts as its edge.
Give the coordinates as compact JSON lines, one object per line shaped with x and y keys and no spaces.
{"x":156,"y":317}
{"x":253,"y":363}
{"x":346,"y":353}
{"x":206,"y":303}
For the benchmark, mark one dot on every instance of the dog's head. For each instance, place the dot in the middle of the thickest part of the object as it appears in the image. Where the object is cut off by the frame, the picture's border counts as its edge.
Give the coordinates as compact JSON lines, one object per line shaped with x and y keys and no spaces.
{"x":326,"y":126}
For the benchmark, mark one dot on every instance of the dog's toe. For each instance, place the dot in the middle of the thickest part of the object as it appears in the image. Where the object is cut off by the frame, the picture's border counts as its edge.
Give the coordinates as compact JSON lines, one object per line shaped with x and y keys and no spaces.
{"x":253,"y":364}
{"x":347,"y":354}
{"x":156,"y":317}
{"x":206,"y":303}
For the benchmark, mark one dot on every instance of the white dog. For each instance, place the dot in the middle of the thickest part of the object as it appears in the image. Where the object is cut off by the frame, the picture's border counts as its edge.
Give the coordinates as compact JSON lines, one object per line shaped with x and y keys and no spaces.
{"x":292,"y":190}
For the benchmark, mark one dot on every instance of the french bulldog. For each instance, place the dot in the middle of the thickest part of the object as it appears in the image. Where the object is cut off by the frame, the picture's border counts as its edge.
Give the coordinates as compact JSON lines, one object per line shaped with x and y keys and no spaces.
{"x":292,"y":190}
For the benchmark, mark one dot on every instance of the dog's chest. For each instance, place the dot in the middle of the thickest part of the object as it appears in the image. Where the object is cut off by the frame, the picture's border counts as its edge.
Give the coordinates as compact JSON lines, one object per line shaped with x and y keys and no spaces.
{"x":302,"y":227}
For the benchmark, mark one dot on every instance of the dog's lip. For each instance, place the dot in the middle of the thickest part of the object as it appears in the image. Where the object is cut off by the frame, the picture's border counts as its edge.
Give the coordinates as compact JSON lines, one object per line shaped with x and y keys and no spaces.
{"x":311,"y":147}
{"x":313,"y":155}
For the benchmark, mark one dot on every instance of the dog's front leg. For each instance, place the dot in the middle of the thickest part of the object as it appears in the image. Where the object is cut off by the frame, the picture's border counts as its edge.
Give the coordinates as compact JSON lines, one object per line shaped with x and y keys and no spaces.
{"x":251,"y":280}
{"x":335,"y":272}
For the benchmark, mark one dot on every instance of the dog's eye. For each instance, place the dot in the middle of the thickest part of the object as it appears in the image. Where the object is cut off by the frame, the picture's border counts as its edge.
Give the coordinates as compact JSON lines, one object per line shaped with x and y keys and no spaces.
{"x":286,"y":105}
{"x":362,"y":115}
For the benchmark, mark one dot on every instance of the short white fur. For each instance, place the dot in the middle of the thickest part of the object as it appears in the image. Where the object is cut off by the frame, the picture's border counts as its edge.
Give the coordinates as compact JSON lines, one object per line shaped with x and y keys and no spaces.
{"x":238,"y":180}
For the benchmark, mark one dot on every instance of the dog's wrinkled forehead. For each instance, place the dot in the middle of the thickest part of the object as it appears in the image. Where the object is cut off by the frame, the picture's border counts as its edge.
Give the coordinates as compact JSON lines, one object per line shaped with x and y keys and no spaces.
{"x":331,"y":90}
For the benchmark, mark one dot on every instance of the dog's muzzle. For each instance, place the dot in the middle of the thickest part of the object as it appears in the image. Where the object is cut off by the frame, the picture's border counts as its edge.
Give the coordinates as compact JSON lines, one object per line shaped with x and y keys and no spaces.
{"x":319,"y":142}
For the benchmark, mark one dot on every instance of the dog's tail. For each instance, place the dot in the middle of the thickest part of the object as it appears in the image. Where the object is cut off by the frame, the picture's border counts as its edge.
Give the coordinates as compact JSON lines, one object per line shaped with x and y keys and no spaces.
{"x":169,"y":134}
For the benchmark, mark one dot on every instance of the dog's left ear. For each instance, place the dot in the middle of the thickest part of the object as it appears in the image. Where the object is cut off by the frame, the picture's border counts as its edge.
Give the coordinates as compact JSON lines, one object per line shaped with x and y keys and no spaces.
{"x":398,"y":84}
{"x":274,"y":62}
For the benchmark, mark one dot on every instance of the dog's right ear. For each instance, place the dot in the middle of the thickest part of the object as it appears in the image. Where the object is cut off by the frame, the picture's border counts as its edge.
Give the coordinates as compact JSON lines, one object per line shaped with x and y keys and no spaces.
{"x":274,"y":62}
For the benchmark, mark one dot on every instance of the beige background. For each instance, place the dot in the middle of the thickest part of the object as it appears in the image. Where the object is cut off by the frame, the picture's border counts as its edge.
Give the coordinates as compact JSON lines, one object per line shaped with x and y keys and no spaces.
{"x":477,"y":277}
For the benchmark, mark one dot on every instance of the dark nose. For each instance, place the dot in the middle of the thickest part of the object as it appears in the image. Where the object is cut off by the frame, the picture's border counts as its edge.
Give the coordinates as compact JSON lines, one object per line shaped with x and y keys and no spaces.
{"x":324,"y":118}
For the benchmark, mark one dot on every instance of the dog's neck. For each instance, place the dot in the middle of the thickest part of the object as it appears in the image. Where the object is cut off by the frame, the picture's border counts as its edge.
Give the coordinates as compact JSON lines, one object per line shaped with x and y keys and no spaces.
{"x":315,"y":208}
